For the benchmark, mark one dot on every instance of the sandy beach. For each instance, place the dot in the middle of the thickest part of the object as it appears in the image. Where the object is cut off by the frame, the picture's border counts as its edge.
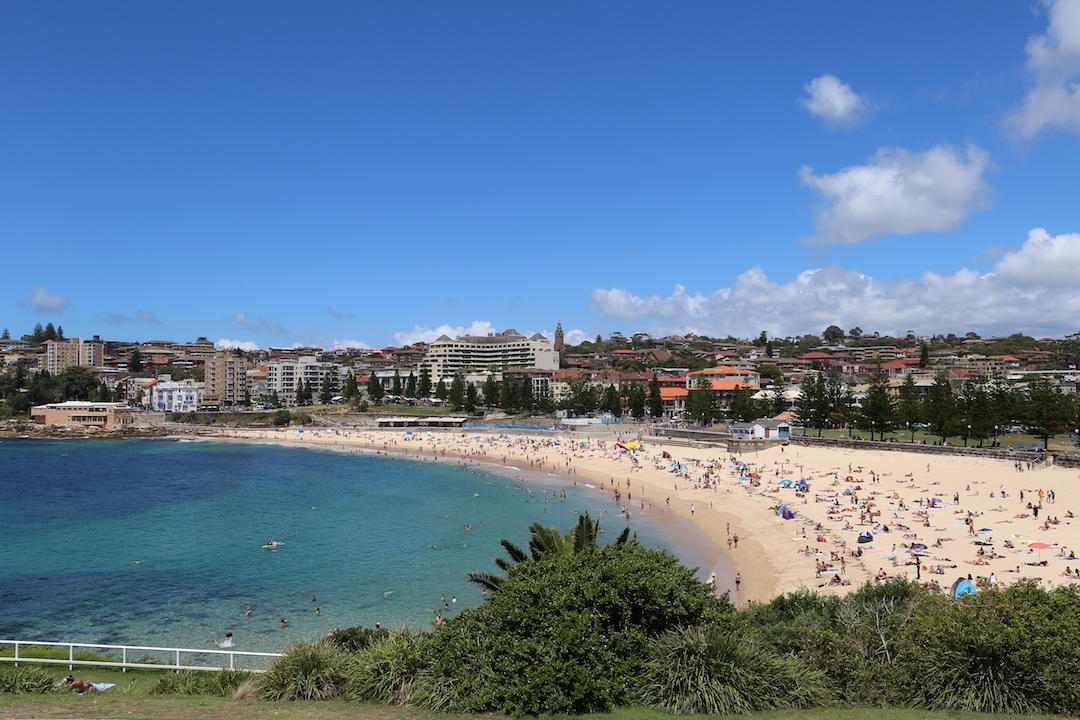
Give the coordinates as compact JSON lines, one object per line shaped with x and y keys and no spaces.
{"x":956,"y":516}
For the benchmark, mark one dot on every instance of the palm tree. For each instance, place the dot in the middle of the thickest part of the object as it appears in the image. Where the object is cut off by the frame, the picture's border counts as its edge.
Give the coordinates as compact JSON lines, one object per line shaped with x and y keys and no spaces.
{"x":545,"y":542}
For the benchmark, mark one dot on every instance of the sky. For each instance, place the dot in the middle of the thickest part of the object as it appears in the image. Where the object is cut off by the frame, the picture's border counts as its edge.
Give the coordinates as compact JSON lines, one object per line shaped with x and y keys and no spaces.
{"x":367,"y":174}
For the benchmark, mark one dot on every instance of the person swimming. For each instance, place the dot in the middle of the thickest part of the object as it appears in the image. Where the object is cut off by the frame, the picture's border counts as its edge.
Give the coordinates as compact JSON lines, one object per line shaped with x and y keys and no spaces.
{"x":227,"y":642}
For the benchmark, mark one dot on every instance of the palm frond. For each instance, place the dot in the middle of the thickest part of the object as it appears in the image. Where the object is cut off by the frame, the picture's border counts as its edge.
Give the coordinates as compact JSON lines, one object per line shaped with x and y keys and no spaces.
{"x":624,"y":536}
{"x":486,"y":580}
{"x":516,"y":554}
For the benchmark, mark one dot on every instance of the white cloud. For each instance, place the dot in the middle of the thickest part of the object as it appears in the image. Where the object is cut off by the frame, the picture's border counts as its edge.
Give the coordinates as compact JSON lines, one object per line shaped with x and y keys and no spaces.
{"x":834,"y":102}
{"x":1054,"y":63}
{"x":227,"y":344}
{"x":422,"y":333}
{"x":1044,"y":259}
{"x":144,"y":316}
{"x":347,"y":344}
{"x":43,"y":300}
{"x":1034,"y":289}
{"x":899,"y":192}
{"x":260,"y":324}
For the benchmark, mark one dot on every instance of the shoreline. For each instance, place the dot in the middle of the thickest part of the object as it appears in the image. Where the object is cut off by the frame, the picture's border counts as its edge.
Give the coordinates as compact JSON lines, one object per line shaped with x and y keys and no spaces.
{"x":690,"y":537}
{"x":606,"y":479}
{"x":912,"y":504}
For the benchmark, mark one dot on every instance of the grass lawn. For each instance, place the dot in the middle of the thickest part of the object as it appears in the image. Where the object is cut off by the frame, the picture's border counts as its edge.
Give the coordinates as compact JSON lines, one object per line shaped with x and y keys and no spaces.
{"x":1060,"y":443}
{"x":412,"y":409}
{"x":192,"y":708}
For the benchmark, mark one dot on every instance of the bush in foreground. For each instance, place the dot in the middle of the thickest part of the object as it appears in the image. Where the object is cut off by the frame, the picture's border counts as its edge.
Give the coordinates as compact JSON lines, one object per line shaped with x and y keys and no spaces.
{"x":386,"y":670}
{"x":200,"y":682}
{"x":1016,"y":651}
{"x":308,"y":671}
{"x":354,"y":639}
{"x":567,"y":633}
{"x":25,"y":681}
{"x":707,"y":670}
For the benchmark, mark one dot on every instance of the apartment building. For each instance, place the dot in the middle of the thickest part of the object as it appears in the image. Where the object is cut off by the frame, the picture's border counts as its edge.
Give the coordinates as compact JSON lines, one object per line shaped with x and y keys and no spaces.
{"x":284,"y":375}
{"x":73,"y":352}
{"x":226,"y":379}
{"x":445,"y":357}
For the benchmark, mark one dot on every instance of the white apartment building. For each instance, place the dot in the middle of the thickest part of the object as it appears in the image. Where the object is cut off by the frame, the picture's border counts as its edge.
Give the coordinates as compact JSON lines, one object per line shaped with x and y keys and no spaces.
{"x":174,"y":395}
{"x":73,"y":352}
{"x":445,"y":357}
{"x":283,"y":376}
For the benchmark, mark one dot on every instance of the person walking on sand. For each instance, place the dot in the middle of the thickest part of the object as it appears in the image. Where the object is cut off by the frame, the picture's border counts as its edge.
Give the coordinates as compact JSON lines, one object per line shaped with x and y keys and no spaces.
{"x":738,"y":581}
{"x":691,"y":509}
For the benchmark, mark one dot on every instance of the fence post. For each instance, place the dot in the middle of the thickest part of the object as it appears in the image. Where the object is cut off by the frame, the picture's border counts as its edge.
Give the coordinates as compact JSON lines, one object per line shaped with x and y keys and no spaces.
{"x":177,"y":661}
{"x":71,"y":657}
{"x":232,"y":658}
{"x":124,"y":658}
{"x":16,"y":653}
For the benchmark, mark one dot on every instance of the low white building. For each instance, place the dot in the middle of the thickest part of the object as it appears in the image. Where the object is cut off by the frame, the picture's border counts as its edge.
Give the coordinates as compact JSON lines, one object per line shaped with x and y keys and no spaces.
{"x":173,"y":395}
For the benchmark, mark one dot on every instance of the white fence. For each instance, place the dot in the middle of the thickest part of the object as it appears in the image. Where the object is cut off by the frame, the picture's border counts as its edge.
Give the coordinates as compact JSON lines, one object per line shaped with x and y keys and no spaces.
{"x":173,"y":661}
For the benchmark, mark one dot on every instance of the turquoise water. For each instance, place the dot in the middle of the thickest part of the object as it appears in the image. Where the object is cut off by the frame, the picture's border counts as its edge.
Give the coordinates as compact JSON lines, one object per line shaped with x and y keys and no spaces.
{"x":157,"y":542}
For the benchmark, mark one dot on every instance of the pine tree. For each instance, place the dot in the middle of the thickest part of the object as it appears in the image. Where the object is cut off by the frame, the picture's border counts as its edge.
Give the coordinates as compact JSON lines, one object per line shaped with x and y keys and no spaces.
{"x":6,"y":335}
{"x":976,"y":412}
{"x":779,"y":400}
{"x":423,"y":387}
{"x":440,"y":390}
{"x":507,"y":395}
{"x":135,"y":363}
{"x":637,"y":402}
{"x":940,"y":408}
{"x":39,"y":334}
{"x":924,"y":355}
{"x":326,"y":392}
{"x":374,"y":389}
{"x":491,"y":391}
{"x":410,"y":386}
{"x":655,"y":400}
{"x":457,"y":391}
{"x":470,"y":397}
{"x":1046,"y":411}
{"x":877,"y":412}
{"x":395,"y":388}
{"x":59,"y":332}
{"x":612,"y":402}
{"x":525,"y":396}
{"x":351,"y":388}
{"x":743,"y":407}
{"x":701,"y":402}
{"x":50,"y":332}
{"x":909,"y":409}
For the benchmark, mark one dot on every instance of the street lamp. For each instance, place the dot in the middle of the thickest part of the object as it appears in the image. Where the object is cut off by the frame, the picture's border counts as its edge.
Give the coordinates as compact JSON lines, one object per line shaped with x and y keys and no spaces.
{"x":995,"y":436}
{"x":968,"y":437}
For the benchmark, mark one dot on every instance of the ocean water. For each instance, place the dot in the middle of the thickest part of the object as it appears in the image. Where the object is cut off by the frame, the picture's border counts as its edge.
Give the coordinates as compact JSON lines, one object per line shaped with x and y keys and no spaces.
{"x":157,"y":542}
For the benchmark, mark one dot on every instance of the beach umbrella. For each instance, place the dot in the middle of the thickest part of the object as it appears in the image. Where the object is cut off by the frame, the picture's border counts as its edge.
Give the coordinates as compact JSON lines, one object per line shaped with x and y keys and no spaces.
{"x":1038,"y":546}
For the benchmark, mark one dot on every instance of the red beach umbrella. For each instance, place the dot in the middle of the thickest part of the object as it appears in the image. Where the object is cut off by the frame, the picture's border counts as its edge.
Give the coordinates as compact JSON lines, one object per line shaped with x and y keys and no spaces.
{"x":1038,"y":546}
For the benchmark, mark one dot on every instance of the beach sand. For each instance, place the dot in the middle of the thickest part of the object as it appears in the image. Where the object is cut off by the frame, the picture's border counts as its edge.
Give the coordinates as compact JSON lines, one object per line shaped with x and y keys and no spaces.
{"x":921,"y":499}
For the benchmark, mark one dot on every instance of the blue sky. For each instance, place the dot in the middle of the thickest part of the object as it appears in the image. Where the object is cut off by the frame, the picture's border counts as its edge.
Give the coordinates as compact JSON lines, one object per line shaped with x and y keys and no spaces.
{"x":348,"y":172}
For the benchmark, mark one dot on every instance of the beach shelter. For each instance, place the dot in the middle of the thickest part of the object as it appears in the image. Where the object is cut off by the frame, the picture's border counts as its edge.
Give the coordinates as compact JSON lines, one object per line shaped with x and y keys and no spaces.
{"x":865,"y":536}
{"x":802,"y":486}
{"x":785,"y":483}
{"x":962,"y":587}
{"x":632,"y":445}
{"x":785,"y":512}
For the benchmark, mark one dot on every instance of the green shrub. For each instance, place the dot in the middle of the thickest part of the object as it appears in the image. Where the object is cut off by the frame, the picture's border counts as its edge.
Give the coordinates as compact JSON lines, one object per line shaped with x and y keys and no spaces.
{"x":308,"y":671}
{"x":567,"y":633}
{"x":221,"y":683}
{"x":854,"y":640}
{"x":705,"y":670}
{"x":385,"y":671}
{"x":354,"y":639}
{"x":28,"y":680}
{"x":1015,"y":651}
